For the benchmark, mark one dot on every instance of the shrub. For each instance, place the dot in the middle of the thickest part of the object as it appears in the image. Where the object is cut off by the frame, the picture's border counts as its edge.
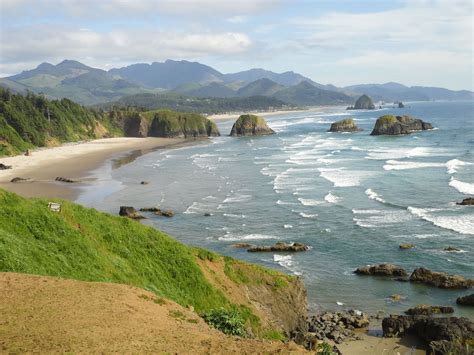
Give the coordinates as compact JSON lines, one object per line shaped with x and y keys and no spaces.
{"x":228,"y":321}
{"x":325,"y":349}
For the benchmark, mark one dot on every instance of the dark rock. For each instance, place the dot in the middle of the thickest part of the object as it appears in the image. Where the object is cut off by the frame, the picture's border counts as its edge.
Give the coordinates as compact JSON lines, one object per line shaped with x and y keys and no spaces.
{"x":363,"y":103}
{"x":406,"y":246}
{"x":150,"y":209}
{"x":467,"y":202}
{"x":347,"y":125}
{"x":381,"y":270}
{"x":63,"y":179}
{"x":5,"y":167}
{"x":207,"y":214}
{"x":452,"y":331}
{"x":396,"y":125}
{"x":170,"y":124}
{"x":19,"y":179}
{"x":440,"y":279}
{"x":401,"y":105}
{"x":250,"y":125}
{"x":165,"y":213}
{"x":27,"y":153}
{"x":451,"y":249}
{"x":426,"y":310}
{"x":280,"y":246}
{"x":241,"y":245}
{"x":466,"y":300}
{"x":130,"y":212}
{"x":136,"y":125}
{"x":144,"y":182}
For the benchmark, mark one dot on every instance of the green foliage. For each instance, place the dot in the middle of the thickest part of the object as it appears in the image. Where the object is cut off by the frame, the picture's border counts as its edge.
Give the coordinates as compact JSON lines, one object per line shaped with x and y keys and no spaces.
{"x":233,"y":272}
{"x":228,"y":321}
{"x":83,"y":244}
{"x":275,"y":335}
{"x":205,"y":254}
{"x":386,"y":119}
{"x":324,"y":349}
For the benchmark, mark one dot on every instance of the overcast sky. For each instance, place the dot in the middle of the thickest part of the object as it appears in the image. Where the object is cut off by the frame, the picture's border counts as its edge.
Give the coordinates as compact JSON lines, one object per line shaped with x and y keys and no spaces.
{"x":342,"y":42}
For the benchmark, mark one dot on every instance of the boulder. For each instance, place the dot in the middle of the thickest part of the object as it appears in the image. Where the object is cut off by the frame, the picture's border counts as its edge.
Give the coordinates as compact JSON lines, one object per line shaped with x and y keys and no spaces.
{"x":250,"y":125}
{"x":144,"y":182}
{"x":207,"y":214}
{"x":158,"y":211}
{"x":363,"y":103}
{"x":279,"y":247}
{"x":381,"y":270}
{"x":401,"y":105}
{"x":406,"y":246}
{"x":396,"y":125}
{"x":440,"y":279}
{"x":466,"y":300}
{"x":63,"y":179}
{"x":426,"y":310}
{"x":19,"y":179}
{"x":347,"y":125}
{"x":452,"y":249}
{"x":130,"y":212}
{"x":5,"y":167}
{"x":451,"y":332}
{"x":466,"y":202}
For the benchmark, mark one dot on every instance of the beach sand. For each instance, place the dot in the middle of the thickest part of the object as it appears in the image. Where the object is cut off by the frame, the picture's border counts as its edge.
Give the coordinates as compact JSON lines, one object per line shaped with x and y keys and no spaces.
{"x":73,"y":161}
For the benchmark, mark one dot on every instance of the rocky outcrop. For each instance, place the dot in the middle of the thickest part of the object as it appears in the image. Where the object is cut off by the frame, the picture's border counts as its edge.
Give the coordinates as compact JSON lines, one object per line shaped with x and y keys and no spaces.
{"x":250,"y":125}
{"x":467,"y":202}
{"x":130,"y":212}
{"x":5,"y":167}
{"x":452,"y":249}
{"x":363,"y":103}
{"x":440,"y":279}
{"x":158,"y":211}
{"x":466,"y":300}
{"x":406,"y":246}
{"x":347,"y":125}
{"x":401,"y":105}
{"x":63,"y":179}
{"x":381,"y":270}
{"x":441,"y":334}
{"x":279,"y":247}
{"x":426,"y":310}
{"x":136,"y":126}
{"x":19,"y":179}
{"x":396,"y":125}
{"x":187,"y":125}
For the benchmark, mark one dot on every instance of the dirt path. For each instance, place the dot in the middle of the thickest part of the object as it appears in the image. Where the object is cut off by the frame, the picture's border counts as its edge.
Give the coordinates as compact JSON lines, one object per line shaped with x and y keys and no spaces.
{"x":47,"y":314}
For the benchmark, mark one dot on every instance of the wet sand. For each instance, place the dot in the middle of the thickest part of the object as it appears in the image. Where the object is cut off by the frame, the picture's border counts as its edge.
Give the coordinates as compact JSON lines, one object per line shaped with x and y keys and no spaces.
{"x":73,"y":161}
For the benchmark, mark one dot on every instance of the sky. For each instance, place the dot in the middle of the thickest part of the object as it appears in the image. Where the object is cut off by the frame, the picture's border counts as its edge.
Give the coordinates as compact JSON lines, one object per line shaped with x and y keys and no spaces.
{"x":340,"y":42}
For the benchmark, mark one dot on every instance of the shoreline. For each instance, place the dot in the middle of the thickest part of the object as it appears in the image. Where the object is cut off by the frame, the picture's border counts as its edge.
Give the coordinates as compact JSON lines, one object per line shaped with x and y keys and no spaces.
{"x":74,"y":161}
{"x":235,"y":115}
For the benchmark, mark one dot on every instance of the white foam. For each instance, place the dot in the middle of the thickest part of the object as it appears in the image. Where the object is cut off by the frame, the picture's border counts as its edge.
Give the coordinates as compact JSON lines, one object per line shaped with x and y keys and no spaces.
{"x":331,"y":198}
{"x":309,"y":202}
{"x":404,"y":165}
{"x":237,"y":198}
{"x":400,"y":153}
{"x":454,"y":164}
{"x":374,"y":196}
{"x":463,"y":224}
{"x":341,"y":177}
{"x":198,"y":207}
{"x":234,"y":215}
{"x":307,"y":215}
{"x":380,"y":218}
{"x":287,"y":226}
{"x":234,"y":238}
{"x":287,"y":262}
{"x":463,"y":187}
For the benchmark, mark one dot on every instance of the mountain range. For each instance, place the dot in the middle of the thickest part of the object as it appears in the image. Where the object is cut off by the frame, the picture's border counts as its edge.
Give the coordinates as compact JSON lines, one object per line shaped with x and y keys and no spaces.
{"x":89,"y":86}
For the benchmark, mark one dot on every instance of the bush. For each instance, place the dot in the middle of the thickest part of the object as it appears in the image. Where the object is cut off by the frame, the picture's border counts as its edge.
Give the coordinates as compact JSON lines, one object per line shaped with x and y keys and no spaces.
{"x":325,"y":349}
{"x":228,"y":321}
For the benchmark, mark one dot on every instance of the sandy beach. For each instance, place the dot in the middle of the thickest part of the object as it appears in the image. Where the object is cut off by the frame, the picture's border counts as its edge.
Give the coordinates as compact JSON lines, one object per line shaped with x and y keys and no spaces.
{"x":73,"y":161}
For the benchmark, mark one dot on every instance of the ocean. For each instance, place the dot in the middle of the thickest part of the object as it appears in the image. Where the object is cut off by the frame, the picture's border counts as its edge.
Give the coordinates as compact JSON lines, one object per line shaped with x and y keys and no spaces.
{"x":352,"y":197}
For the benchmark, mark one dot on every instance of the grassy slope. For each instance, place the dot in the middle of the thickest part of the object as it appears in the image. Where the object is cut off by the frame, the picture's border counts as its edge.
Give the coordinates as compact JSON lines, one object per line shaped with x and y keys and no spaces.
{"x":84,"y":244}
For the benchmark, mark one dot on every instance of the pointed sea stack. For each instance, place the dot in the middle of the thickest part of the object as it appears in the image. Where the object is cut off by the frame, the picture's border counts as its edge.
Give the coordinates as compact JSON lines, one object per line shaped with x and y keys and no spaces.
{"x":347,"y":125}
{"x":363,"y":103}
{"x":395,"y":125}
{"x":250,"y":125}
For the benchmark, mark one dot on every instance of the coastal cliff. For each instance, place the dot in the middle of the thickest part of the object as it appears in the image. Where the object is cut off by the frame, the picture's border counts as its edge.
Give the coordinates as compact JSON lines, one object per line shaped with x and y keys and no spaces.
{"x":250,"y":125}
{"x":83,"y":244}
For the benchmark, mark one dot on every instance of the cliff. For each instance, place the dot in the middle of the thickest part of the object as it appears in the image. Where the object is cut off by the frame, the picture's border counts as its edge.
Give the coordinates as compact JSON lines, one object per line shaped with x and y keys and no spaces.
{"x":396,"y":125}
{"x":347,"y":125}
{"x":250,"y":125}
{"x":167,"y":123}
{"x":83,"y":244}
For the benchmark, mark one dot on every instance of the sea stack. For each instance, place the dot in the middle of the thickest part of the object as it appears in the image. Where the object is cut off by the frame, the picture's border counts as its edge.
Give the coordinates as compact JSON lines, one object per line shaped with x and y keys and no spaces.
{"x":396,"y":125}
{"x":250,"y":125}
{"x":363,"y":103}
{"x":347,"y":125}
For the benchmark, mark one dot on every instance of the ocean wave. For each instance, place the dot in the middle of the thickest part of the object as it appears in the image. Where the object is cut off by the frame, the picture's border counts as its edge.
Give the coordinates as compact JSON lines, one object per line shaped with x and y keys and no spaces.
{"x":374,"y":196}
{"x":236,"y":238}
{"x":454,"y":164}
{"x":463,"y":187}
{"x":400,"y":153}
{"x":287,"y":226}
{"x":309,"y":202}
{"x":416,"y":236}
{"x":234,"y":215}
{"x":330,"y":198}
{"x":463,"y":224}
{"x":341,"y":177}
{"x":199,"y":207}
{"x":379,"y":218}
{"x":307,"y":215}
{"x":237,"y":198}
{"x":404,"y":165}
{"x":287,"y":262}
{"x":280,"y":202}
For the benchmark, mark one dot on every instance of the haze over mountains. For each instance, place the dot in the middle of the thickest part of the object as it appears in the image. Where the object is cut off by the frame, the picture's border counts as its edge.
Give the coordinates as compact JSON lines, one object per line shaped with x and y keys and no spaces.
{"x":90,"y":86}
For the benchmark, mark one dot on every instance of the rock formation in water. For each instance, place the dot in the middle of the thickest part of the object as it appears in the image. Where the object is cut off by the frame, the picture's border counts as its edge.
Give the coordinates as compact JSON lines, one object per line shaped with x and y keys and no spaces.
{"x":130,"y":212}
{"x":466,"y":202}
{"x":363,"y":103}
{"x":467,"y":300}
{"x":440,"y":279}
{"x":347,"y":125}
{"x":401,"y":105}
{"x":279,"y":247}
{"x":250,"y":125}
{"x":381,"y":270}
{"x":426,"y":310}
{"x":395,"y":125}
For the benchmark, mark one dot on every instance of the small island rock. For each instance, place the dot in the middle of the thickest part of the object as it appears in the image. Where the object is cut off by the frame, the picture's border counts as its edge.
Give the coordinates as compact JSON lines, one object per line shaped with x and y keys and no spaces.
{"x":381,"y":270}
{"x":130,"y":212}
{"x":406,"y":246}
{"x":401,"y":105}
{"x":466,"y":300}
{"x":467,"y":202}
{"x":280,"y":246}
{"x":440,"y":279}
{"x":347,"y":125}
{"x":396,"y":125}
{"x":363,"y":103}
{"x":250,"y":125}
